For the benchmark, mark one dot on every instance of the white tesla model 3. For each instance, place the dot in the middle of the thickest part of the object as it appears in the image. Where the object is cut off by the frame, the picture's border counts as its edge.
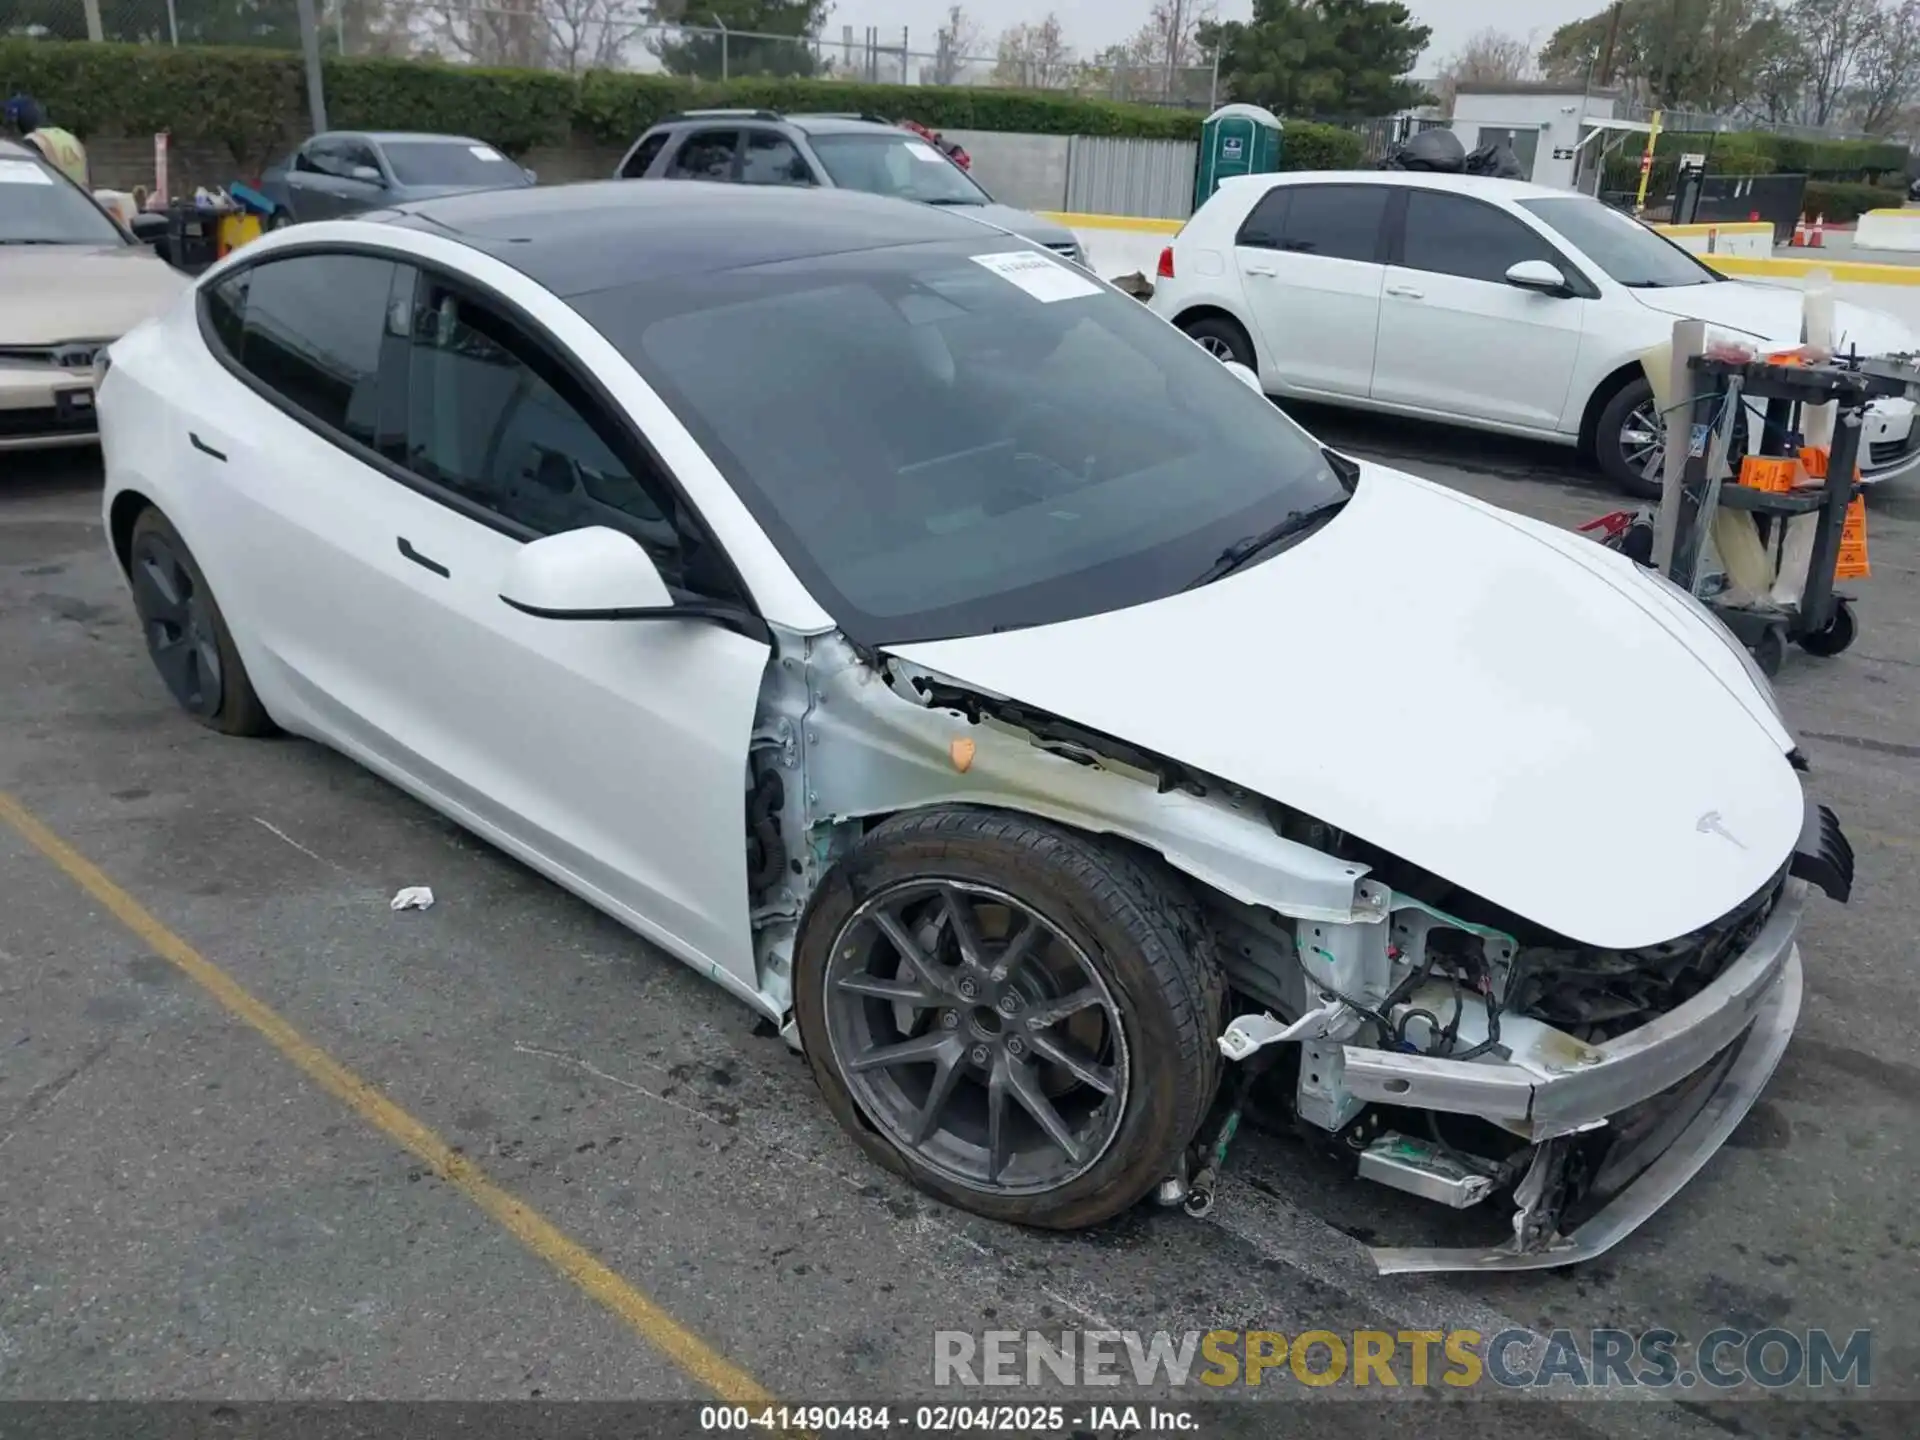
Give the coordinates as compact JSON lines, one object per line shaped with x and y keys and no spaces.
{"x":942,"y":653}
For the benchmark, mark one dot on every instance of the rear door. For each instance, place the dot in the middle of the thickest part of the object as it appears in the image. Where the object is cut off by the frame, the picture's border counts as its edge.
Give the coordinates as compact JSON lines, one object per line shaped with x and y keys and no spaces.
{"x":711,"y":153}
{"x":1456,"y":339}
{"x":1312,"y":260}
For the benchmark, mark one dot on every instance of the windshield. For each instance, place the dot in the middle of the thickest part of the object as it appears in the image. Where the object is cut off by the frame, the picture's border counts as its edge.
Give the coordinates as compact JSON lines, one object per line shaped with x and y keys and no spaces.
{"x":1620,"y":245}
{"x":901,"y":165}
{"x":953,"y":439}
{"x":451,"y":162}
{"x":38,"y":207}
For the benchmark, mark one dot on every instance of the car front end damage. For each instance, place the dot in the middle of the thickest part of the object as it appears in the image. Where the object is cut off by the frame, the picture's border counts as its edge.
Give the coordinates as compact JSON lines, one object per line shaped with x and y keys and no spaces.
{"x":1429,"y":1041}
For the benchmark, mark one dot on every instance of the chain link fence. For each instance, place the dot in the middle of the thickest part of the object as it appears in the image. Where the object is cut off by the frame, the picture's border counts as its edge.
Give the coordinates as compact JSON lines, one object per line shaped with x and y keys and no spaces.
{"x":573,"y":36}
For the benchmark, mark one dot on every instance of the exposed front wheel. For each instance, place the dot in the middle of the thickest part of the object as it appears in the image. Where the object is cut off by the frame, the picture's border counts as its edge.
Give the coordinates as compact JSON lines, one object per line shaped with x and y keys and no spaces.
{"x":1019,"y":1019}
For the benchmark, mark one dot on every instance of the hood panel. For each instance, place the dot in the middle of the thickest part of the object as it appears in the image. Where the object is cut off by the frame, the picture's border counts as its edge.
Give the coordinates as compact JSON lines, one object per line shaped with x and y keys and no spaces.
{"x":1447,"y":682}
{"x":50,"y":294}
{"x":1774,"y":312}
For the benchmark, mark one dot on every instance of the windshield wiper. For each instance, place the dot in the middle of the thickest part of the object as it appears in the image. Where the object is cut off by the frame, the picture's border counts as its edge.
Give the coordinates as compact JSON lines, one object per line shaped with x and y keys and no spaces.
{"x":1241,"y":552}
{"x":951,"y":200}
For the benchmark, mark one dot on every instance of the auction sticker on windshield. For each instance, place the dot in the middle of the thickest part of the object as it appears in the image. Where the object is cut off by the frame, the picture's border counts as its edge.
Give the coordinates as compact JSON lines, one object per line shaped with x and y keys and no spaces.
{"x":1044,"y":279}
{"x":922,"y":151}
{"x":484,"y":152}
{"x":23,"y":172}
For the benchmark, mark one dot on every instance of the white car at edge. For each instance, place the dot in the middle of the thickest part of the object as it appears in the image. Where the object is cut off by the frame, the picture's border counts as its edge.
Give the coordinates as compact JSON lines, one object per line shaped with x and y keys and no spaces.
{"x":937,"y":651}
{"x":1497,"y":304}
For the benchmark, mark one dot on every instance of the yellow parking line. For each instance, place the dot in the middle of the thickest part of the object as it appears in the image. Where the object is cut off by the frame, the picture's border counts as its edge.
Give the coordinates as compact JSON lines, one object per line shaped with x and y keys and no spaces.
{"x":685,"y":1349}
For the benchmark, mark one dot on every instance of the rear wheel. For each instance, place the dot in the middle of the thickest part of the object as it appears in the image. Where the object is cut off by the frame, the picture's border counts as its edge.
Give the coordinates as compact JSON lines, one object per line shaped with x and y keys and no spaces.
{"x":186,"y":634}
{"x":1221,"y":338}
{"x":1015,"y":1017}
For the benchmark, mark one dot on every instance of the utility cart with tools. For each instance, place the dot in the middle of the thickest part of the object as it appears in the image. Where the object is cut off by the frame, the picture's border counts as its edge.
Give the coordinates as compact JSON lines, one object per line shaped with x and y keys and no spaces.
{"x":1785,"y":485}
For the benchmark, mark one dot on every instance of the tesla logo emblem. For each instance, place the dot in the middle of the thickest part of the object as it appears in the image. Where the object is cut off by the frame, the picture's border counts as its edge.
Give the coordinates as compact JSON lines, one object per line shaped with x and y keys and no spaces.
{"x":1711,"y":824}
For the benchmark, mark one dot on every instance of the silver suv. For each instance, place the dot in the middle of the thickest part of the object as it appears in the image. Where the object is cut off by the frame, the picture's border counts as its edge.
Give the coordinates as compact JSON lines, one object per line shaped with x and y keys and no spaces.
{"x":850,"y":152}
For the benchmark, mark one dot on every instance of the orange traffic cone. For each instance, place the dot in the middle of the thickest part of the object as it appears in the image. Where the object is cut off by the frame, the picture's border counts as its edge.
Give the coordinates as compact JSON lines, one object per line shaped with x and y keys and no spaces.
{"x":1799,"y":233}
{"x":1818,"y":239}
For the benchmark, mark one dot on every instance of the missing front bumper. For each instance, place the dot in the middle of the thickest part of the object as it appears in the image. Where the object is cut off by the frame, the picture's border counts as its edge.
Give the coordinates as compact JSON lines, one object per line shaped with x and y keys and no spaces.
{"x":1723,"y":1106}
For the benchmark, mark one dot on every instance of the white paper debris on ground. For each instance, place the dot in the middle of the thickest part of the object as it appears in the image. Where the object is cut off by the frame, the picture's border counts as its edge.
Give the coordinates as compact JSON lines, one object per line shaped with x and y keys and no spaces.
{"x":414,"y":897}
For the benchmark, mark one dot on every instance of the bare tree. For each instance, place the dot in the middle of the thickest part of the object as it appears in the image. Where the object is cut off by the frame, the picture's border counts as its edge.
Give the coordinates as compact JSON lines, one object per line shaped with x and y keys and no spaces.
{"x":590,"y":34}
{"x":1035,"y":56}
{"x":489,"y":32}
{"x":1491,"y":57}
{"x":1887,"y":69}
{"x":1833,"y":34}
{"x":959,"y":41}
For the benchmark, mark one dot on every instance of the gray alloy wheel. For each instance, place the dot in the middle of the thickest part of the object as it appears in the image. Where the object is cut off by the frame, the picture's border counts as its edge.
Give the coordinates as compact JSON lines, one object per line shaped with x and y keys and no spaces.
{"x":977,"y":1036}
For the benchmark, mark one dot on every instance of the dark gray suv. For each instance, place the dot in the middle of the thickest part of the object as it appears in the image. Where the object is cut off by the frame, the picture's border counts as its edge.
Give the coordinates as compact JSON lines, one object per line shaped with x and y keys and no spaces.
{"x":848,"y":152}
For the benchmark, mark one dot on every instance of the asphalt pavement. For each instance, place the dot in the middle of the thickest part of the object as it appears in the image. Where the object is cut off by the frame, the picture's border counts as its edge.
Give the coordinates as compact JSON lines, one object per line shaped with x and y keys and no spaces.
{"x":263,"y":1137}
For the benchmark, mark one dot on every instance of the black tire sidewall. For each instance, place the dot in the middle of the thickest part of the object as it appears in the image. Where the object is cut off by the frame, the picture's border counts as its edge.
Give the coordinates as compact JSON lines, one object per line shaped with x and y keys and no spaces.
{"x":1226,"y":331}
{"x":1150,"y":1137}
{"x":1606,"y":441}
{"x":240,"y":710}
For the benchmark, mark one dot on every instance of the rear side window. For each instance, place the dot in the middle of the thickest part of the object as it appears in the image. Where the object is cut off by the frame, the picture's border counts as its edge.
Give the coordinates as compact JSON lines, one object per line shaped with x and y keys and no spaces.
{"x":1453,"y":235}
{"x":641,"y":161}
{"x":706,"y":155}
{"x":1334,"y":222}
{"x":317,"y":331}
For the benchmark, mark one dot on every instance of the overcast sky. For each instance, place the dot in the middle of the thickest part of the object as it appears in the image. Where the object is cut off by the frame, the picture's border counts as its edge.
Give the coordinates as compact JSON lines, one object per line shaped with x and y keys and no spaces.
{"x":1092,"y":24}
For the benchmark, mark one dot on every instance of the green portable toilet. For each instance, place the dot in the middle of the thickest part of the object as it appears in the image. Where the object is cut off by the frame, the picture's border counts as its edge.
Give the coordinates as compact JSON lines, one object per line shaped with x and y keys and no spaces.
{"x":1236,"y":140}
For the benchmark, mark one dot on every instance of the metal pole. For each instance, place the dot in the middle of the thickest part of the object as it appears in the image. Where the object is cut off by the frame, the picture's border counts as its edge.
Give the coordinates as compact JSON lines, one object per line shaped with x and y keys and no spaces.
{"x":173,"y":26}
{"x":96,"y":32}
{"x":316,"y":90}
{"x":1213,"y":90}
{"x":1646,"y":164}
{"x":339,"y":26}
{"x":725,"y":35}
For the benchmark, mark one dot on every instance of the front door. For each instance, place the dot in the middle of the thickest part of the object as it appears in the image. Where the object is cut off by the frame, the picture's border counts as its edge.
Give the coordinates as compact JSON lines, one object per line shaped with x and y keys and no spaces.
{"x":614,"y":754}
{"x":1456,"y":339}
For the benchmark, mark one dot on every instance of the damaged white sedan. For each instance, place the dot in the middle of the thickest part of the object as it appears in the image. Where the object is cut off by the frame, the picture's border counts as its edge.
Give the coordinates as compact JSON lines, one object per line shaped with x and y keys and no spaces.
{"x":958,"y":665}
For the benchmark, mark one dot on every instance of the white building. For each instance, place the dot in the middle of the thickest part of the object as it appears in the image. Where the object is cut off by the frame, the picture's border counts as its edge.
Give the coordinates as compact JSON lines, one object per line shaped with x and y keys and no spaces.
{"x":1560,"y":136}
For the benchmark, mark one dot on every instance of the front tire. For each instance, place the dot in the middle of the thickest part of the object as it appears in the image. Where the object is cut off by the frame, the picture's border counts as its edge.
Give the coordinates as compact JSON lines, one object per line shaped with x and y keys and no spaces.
{"x":185,"y":633}
{"x":1017,"y":1018}
{"x":1629,"y":442}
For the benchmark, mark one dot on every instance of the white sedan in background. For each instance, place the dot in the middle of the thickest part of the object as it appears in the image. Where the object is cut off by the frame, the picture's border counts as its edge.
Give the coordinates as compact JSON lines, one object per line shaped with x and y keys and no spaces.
{"x":1491,"y":303}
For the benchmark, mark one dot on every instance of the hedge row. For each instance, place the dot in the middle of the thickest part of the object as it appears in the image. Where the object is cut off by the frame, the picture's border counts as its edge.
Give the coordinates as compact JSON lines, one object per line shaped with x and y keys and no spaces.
{"x":254,"y":101}
{"x":1843,"y":204}
{"x":1750,"y":152}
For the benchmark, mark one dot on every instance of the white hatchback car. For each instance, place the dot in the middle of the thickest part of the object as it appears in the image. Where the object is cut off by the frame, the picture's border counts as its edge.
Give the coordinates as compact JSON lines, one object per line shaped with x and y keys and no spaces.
{"x":931,"y":647}
{"x":1492,"y":303}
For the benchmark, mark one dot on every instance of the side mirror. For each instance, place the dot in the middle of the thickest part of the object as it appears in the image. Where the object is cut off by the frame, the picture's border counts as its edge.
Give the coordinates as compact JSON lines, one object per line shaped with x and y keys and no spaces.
{"x":1539,"y":276}
{"x":590,"y":574}
{"x":1245,"y":376}
{"x":532,"y":177}
{"x":148,"y":227}
{"x":367,"y":175}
